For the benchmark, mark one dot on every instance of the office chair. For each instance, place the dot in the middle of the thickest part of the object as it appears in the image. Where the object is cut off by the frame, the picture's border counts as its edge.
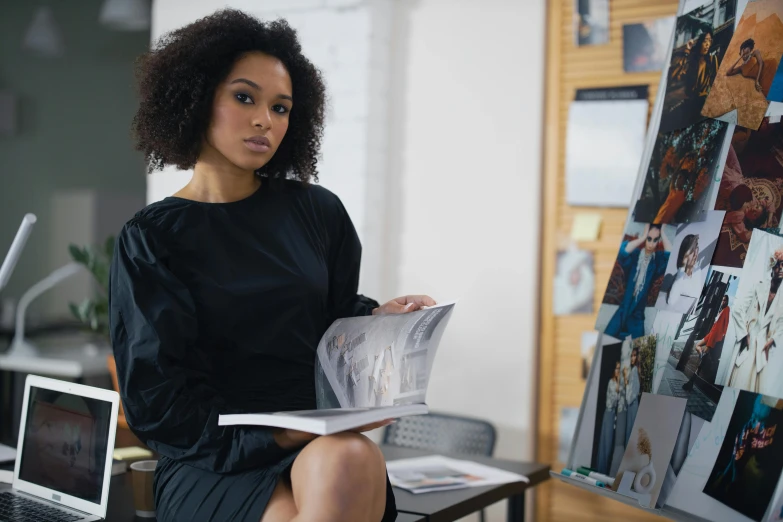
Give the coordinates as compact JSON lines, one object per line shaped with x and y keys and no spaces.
{"x":443,"y":433}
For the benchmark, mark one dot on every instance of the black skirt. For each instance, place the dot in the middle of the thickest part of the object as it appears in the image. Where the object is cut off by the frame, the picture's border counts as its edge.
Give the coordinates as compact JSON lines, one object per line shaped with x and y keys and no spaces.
{"x":187,"y":494}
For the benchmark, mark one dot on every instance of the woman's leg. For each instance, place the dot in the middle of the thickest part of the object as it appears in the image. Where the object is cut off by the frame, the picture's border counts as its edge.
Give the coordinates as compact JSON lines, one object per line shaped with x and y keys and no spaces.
{"x":281,"y":507}
{"x":335,"y":478}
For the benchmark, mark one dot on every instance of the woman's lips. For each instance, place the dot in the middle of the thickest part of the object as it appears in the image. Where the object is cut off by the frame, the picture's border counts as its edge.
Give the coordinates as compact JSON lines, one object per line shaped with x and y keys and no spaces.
{"x":258,"y":144}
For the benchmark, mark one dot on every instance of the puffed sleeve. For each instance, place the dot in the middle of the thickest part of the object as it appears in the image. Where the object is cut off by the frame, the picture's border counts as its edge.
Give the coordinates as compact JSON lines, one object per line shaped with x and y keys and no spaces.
{"x":169,"y":406}
{"x":345,"y":257}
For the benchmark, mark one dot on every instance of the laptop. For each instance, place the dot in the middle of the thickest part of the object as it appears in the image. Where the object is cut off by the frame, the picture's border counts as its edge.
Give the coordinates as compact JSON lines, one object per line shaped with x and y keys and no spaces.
{"x":63,"y":459}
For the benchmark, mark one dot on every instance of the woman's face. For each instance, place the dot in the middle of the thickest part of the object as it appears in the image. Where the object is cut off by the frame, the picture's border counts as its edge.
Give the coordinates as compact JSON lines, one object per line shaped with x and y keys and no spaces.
{"x":633,"y":358}
{"x":745,"y":53}
{"x":777,"y":270}
{"x":706,"y":44}
{"x":250,"y":111}
{"x":616,"y":371}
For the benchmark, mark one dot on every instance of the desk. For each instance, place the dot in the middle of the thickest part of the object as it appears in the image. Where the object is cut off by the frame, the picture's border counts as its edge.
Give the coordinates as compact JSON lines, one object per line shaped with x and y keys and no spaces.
{"x":438,"y":506}
{"x":447,"y":506}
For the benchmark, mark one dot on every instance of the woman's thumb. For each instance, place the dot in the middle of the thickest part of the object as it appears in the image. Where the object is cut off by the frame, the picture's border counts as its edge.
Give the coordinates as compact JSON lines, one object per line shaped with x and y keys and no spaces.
{"x":401,"y":309}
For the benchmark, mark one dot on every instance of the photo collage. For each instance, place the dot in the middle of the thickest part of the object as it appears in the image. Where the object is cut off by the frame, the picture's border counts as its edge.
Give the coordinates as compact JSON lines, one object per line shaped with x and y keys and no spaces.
{"x":686,"y":385}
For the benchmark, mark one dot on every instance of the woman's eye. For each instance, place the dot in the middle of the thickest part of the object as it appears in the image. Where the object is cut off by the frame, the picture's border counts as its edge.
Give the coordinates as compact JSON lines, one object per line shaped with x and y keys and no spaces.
{"x":244,"y":98}
{"x":280,"y":109}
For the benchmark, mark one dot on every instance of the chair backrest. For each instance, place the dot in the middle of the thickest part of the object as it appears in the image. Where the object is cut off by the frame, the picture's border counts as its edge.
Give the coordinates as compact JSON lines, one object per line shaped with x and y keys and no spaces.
{"x":442,"y":432}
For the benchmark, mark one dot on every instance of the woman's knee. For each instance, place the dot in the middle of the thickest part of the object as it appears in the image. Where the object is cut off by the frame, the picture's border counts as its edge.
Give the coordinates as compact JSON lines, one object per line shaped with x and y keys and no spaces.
{"x":351,"y":457}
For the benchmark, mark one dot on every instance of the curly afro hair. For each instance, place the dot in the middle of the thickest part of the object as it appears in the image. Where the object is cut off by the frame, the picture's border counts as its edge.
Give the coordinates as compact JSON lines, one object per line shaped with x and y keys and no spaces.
{"x":177,"y":81}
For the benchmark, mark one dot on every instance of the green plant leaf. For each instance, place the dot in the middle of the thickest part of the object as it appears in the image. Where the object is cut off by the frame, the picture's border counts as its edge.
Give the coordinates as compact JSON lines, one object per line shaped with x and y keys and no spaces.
{"x":108,"y":248}
{"x":78,"y":254}
{"x":75,"y":311}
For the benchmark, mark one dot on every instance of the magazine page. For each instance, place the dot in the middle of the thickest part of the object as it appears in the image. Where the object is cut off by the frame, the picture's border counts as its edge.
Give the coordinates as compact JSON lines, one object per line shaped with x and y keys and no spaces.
{"x":438,"y":473}
{"x":380,"y":360}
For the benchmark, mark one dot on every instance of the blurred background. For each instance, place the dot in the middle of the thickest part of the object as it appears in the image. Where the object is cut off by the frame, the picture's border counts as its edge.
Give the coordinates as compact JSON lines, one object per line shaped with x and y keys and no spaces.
{"x":445,"y":139}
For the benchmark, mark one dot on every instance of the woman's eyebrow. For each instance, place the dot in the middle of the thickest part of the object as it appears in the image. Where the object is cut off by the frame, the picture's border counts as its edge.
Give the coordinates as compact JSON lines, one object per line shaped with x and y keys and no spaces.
{"x":258,"y":88}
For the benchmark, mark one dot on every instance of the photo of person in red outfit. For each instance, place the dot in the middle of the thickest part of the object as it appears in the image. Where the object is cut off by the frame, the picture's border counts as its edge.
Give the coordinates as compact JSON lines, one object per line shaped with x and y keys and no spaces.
{"x":704,"y":347}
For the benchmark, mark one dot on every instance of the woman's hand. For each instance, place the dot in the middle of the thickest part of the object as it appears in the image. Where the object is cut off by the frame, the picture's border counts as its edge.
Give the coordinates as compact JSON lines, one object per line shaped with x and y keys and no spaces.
{"x":758,"y":86}
{"x":405,"y":304}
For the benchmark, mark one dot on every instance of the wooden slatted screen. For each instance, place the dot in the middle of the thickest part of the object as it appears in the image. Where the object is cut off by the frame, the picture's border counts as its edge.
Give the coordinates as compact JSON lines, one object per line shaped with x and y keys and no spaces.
{"x":560,"y":381}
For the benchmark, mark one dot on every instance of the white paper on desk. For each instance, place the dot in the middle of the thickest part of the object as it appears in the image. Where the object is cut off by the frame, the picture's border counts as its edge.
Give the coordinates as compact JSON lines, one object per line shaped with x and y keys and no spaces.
{"x":604,"y":146}
{"x":7,"y":453}
{"x":439,"y":473}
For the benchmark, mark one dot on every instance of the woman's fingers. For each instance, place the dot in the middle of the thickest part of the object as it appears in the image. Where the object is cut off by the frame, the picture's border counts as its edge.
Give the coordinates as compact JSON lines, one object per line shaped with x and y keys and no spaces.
{"x":416,"y":300}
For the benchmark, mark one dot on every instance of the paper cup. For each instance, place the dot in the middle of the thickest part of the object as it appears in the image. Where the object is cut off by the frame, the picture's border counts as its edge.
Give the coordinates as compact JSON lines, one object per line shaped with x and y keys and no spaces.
{"x":143,"y":497}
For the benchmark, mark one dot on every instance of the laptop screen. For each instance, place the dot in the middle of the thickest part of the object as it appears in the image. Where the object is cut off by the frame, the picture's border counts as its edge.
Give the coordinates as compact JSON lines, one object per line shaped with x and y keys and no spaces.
{"x":65,"y":443}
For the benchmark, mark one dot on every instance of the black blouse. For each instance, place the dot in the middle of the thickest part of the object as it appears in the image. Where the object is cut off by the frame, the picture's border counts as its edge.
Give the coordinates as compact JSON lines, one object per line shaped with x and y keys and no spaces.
{"x":219,"y":307}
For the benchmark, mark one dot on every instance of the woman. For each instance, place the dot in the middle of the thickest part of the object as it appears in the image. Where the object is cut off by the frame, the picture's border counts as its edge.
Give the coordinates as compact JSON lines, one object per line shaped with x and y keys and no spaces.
{"x":758,"y":326}
{"x":220,"y":294}
{"x":606,"y":442}
{"x":632,"y":393}
{"x":689,"y":279}
{"x":620,"y":423}
{"x":754,"y":67}
{"x":702,"y":69}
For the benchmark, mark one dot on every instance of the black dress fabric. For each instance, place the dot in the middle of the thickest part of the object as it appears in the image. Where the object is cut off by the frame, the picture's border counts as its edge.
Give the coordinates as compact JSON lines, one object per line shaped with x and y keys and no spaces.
{"x":218,"y":308}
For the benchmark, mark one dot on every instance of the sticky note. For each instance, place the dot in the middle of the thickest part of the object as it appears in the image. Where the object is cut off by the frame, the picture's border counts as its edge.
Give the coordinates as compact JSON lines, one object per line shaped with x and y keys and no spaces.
{"x":131,"y":453}
{"x":586,"y":227}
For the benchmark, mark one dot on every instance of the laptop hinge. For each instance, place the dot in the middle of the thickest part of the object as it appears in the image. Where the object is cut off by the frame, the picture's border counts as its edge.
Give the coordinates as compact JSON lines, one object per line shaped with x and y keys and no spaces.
{"x":55,"y":504}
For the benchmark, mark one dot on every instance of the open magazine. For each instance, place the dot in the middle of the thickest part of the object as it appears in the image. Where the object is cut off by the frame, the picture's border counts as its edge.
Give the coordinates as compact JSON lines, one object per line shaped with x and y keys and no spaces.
{"x":368,"y":369}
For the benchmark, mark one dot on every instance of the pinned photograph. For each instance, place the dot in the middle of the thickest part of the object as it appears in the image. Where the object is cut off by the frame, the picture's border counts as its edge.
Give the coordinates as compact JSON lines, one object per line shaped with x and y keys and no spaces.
{"x":745,"y":77}
{"x":574,"y":282}
{"x":650,"y":447}
{"x":755,"y":362}
{"x":686,"y":439}
{"x":750,"y":460}
{"x":591,"y":21}
{"x":646,"y":44}
{"x":775,"y":94}
{"x":696,"y":344}
{"x":611,"y":414}
{"x":694,"y":245}
{"x":751,"y":190}
{"x":683,"y":174}
{"x":636,"y":278}
{"x":700,"y":40}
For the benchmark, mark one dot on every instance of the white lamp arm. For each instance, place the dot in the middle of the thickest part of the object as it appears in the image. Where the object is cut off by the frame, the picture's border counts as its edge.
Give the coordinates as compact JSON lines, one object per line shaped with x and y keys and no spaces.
{"x":57,"y":276}
{"x":16,"y":248}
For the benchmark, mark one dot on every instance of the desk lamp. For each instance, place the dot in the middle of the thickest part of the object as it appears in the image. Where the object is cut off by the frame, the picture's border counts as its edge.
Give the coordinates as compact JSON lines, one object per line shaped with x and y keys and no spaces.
{"x":20,"y":347}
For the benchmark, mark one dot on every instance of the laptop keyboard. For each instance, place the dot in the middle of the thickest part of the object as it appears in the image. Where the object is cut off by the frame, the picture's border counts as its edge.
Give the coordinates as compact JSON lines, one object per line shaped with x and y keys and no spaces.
{"x":16,"y":508}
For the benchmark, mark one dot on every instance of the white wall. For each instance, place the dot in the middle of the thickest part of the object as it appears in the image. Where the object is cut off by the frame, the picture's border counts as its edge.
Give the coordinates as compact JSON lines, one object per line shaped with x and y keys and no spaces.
{"x":468,"y":101}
